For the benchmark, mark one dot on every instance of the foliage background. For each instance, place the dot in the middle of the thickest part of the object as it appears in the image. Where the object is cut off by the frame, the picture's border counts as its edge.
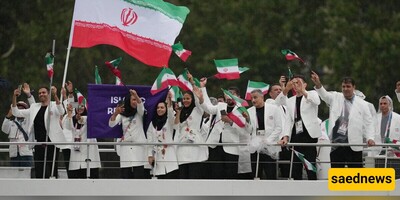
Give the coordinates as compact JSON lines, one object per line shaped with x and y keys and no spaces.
{"x":337,"y":38}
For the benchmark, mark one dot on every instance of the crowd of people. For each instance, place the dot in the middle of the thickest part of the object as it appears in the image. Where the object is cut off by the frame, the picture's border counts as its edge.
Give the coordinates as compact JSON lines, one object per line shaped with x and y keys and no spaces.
{"x":290,"y":115}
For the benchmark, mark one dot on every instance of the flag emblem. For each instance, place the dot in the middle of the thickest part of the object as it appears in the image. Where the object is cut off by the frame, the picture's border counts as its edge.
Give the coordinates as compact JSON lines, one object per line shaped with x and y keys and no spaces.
{"x":128,"y":16}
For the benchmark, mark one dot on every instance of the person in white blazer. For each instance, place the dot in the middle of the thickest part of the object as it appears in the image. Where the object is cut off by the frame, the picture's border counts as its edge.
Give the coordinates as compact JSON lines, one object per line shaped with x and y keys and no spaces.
{"x":302,"y":124}
{"x":387,"y":122}
{"x":349,"y":121}
{"x":130,"y":115}
{"x":397,"y":90}
{"x":188,"y":120}
{"x":20,"y":155}
{"x":44,"y":123}
{"x":265,"y":118}
{"x":162,"y":157}
{"x":285,"y":153}
{"x":223,"y":162}
{"x":77,"y":125}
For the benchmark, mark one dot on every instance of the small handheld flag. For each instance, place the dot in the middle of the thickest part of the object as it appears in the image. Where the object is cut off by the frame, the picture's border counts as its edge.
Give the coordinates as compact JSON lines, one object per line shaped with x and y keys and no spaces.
{"x":290,"y":55}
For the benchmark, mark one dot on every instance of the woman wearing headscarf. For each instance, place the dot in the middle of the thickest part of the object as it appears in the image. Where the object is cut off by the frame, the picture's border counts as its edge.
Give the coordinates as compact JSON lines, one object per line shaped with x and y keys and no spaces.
{"x":162,"y":157}
{"x":130,"y":115}
{"x":188,"y":121}
{"x":79,"y":153}
{"x":387,"y":122}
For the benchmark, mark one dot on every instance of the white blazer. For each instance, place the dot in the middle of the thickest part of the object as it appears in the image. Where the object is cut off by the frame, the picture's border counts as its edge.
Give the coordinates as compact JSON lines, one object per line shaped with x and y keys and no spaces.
{"x":394,"y":133}
{"x":77,"y":158}
{"x":56,"y":133}
{"x":230,"y":134}
{"x":132,"y":129}
{"x":168,"y":162}
{"x":191,"y":153}
{"x":308,"y":112}
{"x":283,"y":112}
{"x":360,"y":119}
{"x":272,"y":124}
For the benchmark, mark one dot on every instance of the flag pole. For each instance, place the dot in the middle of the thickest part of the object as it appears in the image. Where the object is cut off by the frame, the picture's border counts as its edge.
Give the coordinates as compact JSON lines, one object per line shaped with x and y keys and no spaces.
{"x":48,"y":117}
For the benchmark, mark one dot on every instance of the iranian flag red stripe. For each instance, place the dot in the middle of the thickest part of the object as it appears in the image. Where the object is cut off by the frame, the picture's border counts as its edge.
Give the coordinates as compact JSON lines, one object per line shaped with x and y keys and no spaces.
{"x":237,"y":116}
{"x":143,"y":29}
{"x":227,"y":68}
{"x":184,"y":83}
{"x":165,"y":78}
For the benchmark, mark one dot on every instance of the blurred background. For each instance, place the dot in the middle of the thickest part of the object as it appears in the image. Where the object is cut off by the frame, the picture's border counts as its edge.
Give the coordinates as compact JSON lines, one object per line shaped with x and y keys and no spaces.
{"x":336,"y":38}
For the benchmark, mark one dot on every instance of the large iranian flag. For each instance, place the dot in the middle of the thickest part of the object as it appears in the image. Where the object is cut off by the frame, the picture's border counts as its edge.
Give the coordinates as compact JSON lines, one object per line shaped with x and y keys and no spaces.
{"x":165,"y":78}
{"x":252,"y":85}
{"x":227,"y":68}
{"x":144,"y":29}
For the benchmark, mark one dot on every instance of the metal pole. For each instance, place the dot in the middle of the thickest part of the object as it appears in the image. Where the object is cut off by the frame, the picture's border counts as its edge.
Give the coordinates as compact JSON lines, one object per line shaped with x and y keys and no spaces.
{"x":88,"y":163}
{"x":291,"y":164}
{"x":257,"y":163}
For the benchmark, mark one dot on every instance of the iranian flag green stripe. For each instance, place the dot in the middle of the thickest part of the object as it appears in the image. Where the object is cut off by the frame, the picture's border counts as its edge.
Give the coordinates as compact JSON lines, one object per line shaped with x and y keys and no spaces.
{"x":165,"y":78}
{"x":239,"y":102}
{"x":97,"y":78}
{"x":252,"y":85}
{"x":227,"y":68}
{"x":237,"y":116}
{"x":309,"y":166}
{"x":49,"y":59}
{"x":146,"y":30}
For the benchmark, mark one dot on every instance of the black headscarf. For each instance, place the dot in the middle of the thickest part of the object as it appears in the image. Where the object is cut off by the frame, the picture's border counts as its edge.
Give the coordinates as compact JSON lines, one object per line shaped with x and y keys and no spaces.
{"x":75,"y":121}
{"x":186,"y":111}
{"x":129,"y":111}
{"x":159,"y":121}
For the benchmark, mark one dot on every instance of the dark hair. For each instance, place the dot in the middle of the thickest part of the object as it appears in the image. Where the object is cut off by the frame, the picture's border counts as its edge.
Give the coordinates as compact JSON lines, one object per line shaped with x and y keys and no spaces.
{"x":300,"y":77}
{"x":272,"y":85}
{"x":236,"y":89}
{"x":45,"y":87}
{"x":349,"y":80}
{"x":75,"y":121}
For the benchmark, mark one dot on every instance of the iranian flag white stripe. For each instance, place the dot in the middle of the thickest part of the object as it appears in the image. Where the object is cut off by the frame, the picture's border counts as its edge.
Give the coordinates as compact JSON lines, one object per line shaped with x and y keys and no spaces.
{"x":165,"y":78}
{"x":143,"y":29}
{"x":184,"y":83}
{"x":305,"y":162}
{"x":49,"y":64}
{"x":252,"y":85}
{"x":237,"y":116}
{"x":227,"y":68}
{"x":80,"y":97}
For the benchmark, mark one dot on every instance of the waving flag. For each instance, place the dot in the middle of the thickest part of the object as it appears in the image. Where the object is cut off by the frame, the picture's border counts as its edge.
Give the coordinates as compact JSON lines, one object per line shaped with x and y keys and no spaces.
{"x":237,"y":116}
{"x":309,"y":166}
{"x":227,"y":68}
{"x":81,"y":98}
{"x":176,"y":93}
{"x":113,"y":66}
{"x":252,"y":85}
{"x":97,"y":78}
{"x":239,"y":102}
{"x":290,"y":55}
{"x":243,"y":69}
{"x":143,"y":29}
{"x":49,"y":59}
{"x":182,"y":53}
{"x":165,"y":78}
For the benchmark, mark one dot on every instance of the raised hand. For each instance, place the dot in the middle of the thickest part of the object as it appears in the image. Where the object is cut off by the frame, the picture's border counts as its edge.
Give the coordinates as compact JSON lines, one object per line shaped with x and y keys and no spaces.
{"x":315,"y":80}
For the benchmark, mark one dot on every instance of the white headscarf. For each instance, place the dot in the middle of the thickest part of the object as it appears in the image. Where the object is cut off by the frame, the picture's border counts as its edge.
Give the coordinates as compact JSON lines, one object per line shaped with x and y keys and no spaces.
{"x":390,"y":103}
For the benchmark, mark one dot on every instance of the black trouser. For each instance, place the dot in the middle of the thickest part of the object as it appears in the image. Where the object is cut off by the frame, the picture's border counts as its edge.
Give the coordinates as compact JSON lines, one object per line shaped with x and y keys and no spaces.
{"x":284,"y":155}
{"x":214,"y":164}
{"x":170,"y":175}
{"x":66,"y":157}
{"x":133,"y":172}
{"x":191,"y":170}
{"x":266,"y":164}
{"x":81,"y":173}
{"x":39,"y":160}
{"x":342,"y":156}
{"x":310,"y":154}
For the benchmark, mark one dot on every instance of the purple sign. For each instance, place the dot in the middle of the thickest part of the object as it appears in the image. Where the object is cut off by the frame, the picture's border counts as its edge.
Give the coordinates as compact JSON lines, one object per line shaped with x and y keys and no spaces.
{"x":102,"y":100}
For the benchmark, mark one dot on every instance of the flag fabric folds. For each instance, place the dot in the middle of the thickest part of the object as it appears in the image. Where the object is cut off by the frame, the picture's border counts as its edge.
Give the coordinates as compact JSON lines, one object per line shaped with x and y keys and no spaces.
{"x":80,"y":97}
{"x":165,"y":78}
{"x":49,"y":59}
{"x":113,"y":66}
{"x":239,"y":102}
{"x":97,"y":78}
{"x":290,"y":55}
{"x":182,"y":53}
{"x":227,"y":69}
{"x":184,"y":82}
{"x":237,"y":116}
{"x":176,"y":93}
{"x":252,"y":85}
{"x":306,"y":163}
{"x":243,"y":69}
{"x":145,"y":30}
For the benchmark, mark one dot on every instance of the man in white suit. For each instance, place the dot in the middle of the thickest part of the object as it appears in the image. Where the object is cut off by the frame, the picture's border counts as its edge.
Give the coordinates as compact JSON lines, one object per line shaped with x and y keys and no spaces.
{"x":45,"y":125}
{"x":265,"y":118}
{"x":397,"y":91}
{"x":302,"y":124}
{"x":387,"y":122}
{"x":350,"y":120}
{"x":223,"y":159}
